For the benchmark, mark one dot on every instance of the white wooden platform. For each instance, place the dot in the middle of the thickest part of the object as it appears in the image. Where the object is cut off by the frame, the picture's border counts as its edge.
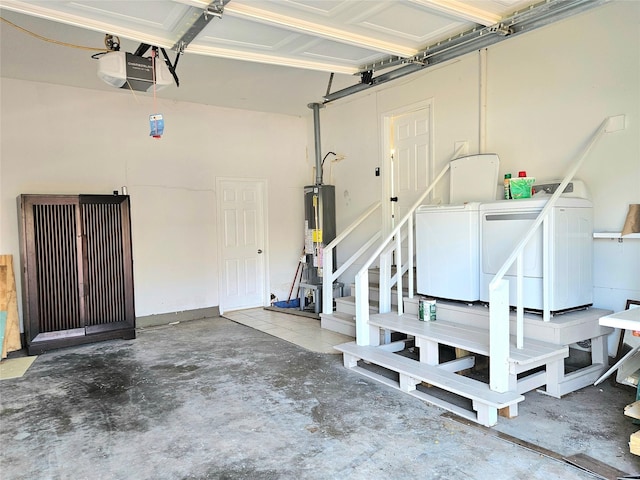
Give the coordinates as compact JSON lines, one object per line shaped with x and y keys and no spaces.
{"x":429,"y":335}
{"x":485,"y":402}
{"x":539,"y":365}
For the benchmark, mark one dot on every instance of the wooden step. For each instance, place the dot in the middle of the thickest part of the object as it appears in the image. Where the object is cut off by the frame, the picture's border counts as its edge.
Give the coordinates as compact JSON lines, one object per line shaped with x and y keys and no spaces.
{"x":485,"y":402}
{"x":348,"y":305}
{"x":374,"y":292}
{"x":468,"y":338}
{"x":562,"y":329}
{"x":339,"y":322}
{"x":374,"y":275}
{"x":525,"y":361}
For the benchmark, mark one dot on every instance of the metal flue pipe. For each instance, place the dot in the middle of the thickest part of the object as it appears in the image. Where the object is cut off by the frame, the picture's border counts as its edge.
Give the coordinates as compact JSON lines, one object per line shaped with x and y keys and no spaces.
{"x":316,"y":130}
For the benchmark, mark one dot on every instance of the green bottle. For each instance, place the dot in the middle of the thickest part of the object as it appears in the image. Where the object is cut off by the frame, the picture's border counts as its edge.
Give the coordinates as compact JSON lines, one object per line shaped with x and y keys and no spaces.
{"x":507,"y":186}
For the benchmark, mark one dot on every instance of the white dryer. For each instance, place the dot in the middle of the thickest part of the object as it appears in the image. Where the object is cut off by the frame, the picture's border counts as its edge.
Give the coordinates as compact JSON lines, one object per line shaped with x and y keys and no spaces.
{"x":570,"y":231}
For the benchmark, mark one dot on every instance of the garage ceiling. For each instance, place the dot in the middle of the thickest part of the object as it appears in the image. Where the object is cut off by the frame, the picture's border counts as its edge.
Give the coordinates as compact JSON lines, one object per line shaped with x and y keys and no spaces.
{"x":360,"y":41}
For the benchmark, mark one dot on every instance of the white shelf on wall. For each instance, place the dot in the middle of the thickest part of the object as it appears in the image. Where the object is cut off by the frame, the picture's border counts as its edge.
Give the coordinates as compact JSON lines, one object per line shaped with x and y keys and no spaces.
{"x":616,"y":236}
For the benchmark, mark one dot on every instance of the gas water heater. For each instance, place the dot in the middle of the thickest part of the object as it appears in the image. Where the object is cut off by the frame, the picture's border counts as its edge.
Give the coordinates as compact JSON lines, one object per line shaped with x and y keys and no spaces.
{"x":319,"y":214}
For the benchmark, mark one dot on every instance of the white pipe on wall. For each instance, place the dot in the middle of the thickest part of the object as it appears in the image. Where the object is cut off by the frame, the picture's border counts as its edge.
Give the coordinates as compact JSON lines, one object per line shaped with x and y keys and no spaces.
{"x":482,"y":96}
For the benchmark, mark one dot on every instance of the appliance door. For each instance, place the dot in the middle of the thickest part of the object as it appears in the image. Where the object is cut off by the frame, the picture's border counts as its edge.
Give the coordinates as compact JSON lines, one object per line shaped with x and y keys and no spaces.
{"x":569,"y":253}
{"x":447,"y":252}
{"x":501,"y":233}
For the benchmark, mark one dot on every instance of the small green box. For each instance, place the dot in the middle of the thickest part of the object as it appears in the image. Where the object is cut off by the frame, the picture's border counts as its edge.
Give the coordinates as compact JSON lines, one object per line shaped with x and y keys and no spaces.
{"x":521,"y":187}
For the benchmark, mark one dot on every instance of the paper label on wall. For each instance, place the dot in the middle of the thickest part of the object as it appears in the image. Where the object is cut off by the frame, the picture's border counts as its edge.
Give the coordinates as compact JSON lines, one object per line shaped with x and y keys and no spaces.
{"x":320,"y":259}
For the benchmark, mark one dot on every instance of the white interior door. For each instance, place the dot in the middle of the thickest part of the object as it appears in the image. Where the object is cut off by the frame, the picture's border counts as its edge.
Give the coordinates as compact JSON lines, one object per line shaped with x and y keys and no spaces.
{"x":411,"y":158}
{"x":241,"y":221}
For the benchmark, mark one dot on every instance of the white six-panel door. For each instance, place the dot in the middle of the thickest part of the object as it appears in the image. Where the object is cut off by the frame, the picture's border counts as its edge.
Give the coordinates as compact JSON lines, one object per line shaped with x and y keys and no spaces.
{"x":411,"y":162}
{"x":241,"y":236}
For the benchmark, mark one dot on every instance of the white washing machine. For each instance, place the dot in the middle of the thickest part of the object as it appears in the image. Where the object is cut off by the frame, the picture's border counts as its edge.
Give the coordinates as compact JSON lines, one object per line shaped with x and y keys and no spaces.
{"x":447,"y":251}
{"x":447,"y":236}
{"x":504,"y":223}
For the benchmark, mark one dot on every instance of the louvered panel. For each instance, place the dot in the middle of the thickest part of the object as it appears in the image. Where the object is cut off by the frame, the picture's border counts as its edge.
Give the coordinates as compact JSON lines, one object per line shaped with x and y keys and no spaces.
{"x":57,"y":267}
{"x":105,"y":300}
{"x":77,"y":269}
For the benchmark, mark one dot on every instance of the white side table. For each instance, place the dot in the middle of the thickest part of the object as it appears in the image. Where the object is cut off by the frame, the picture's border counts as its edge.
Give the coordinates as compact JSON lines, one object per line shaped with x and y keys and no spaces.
{"x":625,"y":320}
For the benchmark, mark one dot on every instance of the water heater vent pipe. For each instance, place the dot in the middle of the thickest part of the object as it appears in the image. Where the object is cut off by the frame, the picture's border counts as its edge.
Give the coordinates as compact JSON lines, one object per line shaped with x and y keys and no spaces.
{"x":316,"y":130}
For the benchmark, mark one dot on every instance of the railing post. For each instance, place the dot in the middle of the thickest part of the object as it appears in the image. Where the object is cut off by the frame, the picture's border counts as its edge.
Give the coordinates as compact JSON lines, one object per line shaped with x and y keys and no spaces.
{"x":499,"y":336}
{"x":410,"y":248}
{"x":519,"y":302}
{"x":327,"y":281}
{"x":384,"y":294}
{"x":398,"y":250}
{"x":363,"y":331}
{"x":546,"y":274}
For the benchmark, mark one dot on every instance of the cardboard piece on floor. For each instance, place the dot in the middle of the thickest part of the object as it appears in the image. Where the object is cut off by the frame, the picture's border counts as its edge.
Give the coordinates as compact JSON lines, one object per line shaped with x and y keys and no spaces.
{"x":15,"y":367}
{"x":9,"y":304}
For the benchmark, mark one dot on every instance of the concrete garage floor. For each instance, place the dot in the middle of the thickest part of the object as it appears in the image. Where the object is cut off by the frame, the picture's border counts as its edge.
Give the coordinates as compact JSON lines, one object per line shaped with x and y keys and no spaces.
{"x":215,"y":399}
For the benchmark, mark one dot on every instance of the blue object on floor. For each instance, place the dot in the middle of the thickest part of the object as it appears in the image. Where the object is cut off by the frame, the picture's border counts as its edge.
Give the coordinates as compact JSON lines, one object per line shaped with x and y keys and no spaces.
{"x":3,"y":327}
{"x":294,"y":303}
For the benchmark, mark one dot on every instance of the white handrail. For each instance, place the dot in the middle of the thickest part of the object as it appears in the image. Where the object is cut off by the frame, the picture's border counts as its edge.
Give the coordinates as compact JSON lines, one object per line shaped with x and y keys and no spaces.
{"x":328,"y":275}
{"x":364,"y":335}
{"x":400,"y":224}
{"x":345,"y":233}
{"x":499,"y":287}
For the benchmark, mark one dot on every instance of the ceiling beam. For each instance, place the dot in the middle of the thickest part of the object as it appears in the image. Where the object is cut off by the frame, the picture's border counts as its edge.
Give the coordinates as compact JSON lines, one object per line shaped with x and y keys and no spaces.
{"x":464,"y":11}
{"x":271,"y":59}
{"x":242,"y":10}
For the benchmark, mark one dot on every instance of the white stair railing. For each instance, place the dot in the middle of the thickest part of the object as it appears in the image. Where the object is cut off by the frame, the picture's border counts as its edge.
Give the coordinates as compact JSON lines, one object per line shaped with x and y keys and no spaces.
{"x":499,"y":287}
{"x":364,"y":334}
{"x":328,"y":275}
{"x":387,"y":276}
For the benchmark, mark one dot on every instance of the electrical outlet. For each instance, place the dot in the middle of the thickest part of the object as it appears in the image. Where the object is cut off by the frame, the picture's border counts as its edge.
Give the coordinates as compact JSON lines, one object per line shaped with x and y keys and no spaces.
{"x":615,"y":123}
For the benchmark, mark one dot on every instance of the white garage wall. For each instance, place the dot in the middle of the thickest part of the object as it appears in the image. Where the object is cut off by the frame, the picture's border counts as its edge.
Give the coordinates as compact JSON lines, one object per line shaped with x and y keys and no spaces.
{"x":68,"y":140}
{"x":547,"y":92}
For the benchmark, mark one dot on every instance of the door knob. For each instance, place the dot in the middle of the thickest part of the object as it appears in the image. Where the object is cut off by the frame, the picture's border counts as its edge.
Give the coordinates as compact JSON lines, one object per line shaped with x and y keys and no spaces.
{"x":259,"y":251}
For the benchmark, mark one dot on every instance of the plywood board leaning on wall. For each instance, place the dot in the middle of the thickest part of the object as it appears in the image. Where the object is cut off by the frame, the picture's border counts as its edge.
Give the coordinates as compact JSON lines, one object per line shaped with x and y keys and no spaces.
{"x":633,"y":411}
{"x":9,"y":304}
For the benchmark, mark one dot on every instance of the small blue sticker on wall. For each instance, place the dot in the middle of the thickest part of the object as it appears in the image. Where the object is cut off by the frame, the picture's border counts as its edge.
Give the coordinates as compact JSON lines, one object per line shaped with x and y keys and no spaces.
{"x":156,"y":122}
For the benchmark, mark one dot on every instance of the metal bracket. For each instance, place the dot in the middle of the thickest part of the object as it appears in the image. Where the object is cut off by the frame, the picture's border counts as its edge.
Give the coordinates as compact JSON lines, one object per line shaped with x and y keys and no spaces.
{"x":215,"y":9}
{"x":144,"y":47}
{"x":500,"y":29}
{"x":171,"y":67}
{"x":367,"y":77}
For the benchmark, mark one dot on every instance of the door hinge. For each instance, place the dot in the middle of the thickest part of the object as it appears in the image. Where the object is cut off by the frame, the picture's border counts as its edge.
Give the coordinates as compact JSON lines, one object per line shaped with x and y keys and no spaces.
{"x":394,"y":199}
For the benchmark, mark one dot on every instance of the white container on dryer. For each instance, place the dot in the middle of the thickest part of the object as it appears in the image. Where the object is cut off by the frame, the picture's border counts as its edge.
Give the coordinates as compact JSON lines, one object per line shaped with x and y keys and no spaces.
{"x":503,"y":224}
{"x":447,"y":251}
